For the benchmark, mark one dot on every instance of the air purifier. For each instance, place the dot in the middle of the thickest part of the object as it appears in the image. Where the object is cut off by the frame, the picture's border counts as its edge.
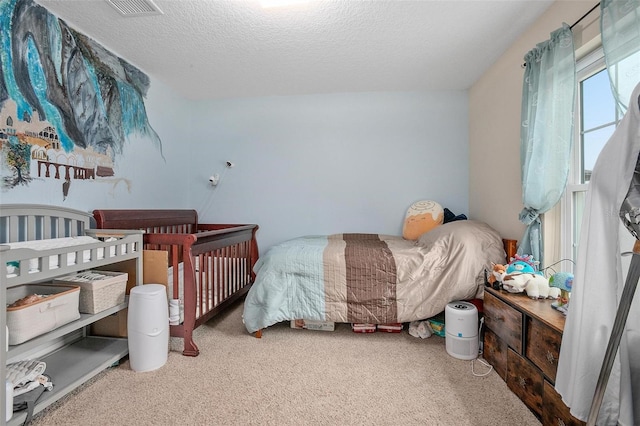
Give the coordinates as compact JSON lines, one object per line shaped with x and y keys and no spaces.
{"x":461,"y":330}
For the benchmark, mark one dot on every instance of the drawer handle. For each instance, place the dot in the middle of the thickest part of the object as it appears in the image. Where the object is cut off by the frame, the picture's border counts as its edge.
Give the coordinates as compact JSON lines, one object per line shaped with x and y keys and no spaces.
{"x":522,"y":382}
{"x":551,"y":358}
{"x":560,"y":421}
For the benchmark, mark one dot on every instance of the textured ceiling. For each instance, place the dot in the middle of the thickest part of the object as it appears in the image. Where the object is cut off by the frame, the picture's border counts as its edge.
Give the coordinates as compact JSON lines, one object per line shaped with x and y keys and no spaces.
{"x":208,"y":49}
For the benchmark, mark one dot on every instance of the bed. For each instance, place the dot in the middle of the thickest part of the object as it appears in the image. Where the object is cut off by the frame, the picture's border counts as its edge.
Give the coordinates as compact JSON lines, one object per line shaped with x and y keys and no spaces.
{"x":370,"y":278}
{"x":210,"y":266}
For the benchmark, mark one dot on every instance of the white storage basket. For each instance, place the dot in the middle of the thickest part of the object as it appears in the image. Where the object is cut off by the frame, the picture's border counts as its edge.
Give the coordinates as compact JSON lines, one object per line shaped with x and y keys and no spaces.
{"x":99,"y":290}
{"x":58,"y":306}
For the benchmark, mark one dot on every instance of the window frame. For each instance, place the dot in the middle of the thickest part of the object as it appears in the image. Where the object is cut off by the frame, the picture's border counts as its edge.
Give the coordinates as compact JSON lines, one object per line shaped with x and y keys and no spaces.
{"x":586,"y":67}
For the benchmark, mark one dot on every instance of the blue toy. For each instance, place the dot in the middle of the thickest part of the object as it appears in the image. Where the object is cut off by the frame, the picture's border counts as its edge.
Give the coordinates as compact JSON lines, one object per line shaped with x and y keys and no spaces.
{"x":523,"y":264}
{"x":521,"y":267}
{"x":563,"y":281}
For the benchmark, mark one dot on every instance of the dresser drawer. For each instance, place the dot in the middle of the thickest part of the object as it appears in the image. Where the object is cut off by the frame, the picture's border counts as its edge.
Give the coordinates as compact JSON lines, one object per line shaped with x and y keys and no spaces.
{"x":495,"y":352}
{"x":555,"y":412}
{"x":504,"y":321}
{"x":525,"y":380}
{"x":543,"y":347}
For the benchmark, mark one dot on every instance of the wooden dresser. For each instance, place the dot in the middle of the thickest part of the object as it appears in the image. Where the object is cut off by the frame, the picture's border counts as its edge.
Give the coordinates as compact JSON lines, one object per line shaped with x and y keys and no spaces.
{"x":522,"y":341}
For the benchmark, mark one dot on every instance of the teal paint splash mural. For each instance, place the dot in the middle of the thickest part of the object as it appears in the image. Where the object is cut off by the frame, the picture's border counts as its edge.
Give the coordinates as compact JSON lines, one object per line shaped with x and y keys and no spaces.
{"x":67,"y":105}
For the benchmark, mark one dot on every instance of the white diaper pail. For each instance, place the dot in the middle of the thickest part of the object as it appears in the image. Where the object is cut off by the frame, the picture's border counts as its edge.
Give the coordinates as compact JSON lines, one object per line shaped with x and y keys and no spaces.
{"x":148,"y":327}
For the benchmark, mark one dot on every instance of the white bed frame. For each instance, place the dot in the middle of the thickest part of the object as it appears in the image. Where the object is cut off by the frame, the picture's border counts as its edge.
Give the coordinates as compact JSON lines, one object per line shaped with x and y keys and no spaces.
{"x":71,"y":354}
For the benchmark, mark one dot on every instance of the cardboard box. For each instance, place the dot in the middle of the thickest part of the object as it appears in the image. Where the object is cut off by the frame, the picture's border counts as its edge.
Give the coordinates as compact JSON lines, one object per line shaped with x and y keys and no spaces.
{"x":154,"y":271}
{"x":303,"y":324}
{"x":155,"y":267}
{"x":115,"y":325}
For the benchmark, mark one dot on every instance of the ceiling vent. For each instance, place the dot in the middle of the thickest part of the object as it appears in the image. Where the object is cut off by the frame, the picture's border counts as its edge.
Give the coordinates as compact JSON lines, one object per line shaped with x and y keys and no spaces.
{"x":135,"y":7}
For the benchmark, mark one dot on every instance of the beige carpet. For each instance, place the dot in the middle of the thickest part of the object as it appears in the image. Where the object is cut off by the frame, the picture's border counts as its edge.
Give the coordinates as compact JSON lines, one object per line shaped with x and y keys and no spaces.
{"x":296,"y":377}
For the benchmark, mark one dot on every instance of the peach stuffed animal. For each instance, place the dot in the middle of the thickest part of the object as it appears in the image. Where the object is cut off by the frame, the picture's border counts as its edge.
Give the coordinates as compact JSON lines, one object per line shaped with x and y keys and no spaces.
{"x":422,"y":217}
{"x":498,"y":272}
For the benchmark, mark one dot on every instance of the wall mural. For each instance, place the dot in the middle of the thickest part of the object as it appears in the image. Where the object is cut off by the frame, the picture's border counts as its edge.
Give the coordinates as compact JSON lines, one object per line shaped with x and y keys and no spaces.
{"x":67,"y":105}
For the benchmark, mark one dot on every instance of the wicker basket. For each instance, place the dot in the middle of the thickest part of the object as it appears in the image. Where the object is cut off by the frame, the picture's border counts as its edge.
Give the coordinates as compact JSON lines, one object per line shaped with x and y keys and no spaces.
{"x":99,"y":290}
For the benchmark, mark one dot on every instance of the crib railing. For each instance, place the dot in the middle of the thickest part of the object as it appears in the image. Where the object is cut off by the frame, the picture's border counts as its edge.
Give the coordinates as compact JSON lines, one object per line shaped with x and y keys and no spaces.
{"x":211,"y":265}
{"x":210,"y":270}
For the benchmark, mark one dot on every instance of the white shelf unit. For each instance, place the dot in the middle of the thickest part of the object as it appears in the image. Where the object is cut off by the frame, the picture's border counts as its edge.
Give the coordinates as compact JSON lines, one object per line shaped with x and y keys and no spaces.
{"x":71,"y":354}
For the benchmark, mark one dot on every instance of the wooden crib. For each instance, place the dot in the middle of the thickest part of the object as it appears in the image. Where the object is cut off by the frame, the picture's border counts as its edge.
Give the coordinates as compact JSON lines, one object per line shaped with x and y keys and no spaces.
{"x":210,"y":265}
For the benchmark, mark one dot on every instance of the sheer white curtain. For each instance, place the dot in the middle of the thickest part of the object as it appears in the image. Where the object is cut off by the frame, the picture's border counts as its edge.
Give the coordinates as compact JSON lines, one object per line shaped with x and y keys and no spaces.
{"x":620,"y":28}
{"x":599,"y":275}
{"x":546,"y":136}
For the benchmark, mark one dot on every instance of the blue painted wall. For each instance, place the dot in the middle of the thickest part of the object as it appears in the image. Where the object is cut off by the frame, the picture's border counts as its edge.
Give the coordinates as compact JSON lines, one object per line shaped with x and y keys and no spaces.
{"x":329,"y":163}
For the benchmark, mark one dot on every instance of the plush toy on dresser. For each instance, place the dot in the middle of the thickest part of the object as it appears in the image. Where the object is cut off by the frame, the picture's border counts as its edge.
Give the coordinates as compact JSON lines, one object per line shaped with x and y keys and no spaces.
{"x":521,"y":276}
{"x":535,"y":285}
{"x":564,"y":282}
{"x":498,"y":271}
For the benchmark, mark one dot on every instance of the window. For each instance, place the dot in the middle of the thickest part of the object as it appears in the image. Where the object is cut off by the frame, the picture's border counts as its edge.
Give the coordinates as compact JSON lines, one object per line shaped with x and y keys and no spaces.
{"x":596,"y":118}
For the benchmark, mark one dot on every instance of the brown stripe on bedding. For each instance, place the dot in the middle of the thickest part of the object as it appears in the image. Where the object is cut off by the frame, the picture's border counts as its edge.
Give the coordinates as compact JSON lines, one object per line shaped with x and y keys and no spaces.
{"x":371,"y":279}
{"x":335,"y":284}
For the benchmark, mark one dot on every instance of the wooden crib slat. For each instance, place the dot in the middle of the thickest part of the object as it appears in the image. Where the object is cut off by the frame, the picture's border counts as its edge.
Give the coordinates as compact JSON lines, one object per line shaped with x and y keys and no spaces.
{"x":236,"y":277}
{"x":223,"y":257}
{"x":201,"y":296}
{"x":206,"y":285}
{"x":230,"y":271}
{"x":216,"y":275}
{"x":173,"y":253}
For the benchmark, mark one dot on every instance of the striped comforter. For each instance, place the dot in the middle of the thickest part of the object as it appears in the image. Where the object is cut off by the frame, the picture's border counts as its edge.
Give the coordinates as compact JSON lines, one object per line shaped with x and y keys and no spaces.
{"x":370,"y":278}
